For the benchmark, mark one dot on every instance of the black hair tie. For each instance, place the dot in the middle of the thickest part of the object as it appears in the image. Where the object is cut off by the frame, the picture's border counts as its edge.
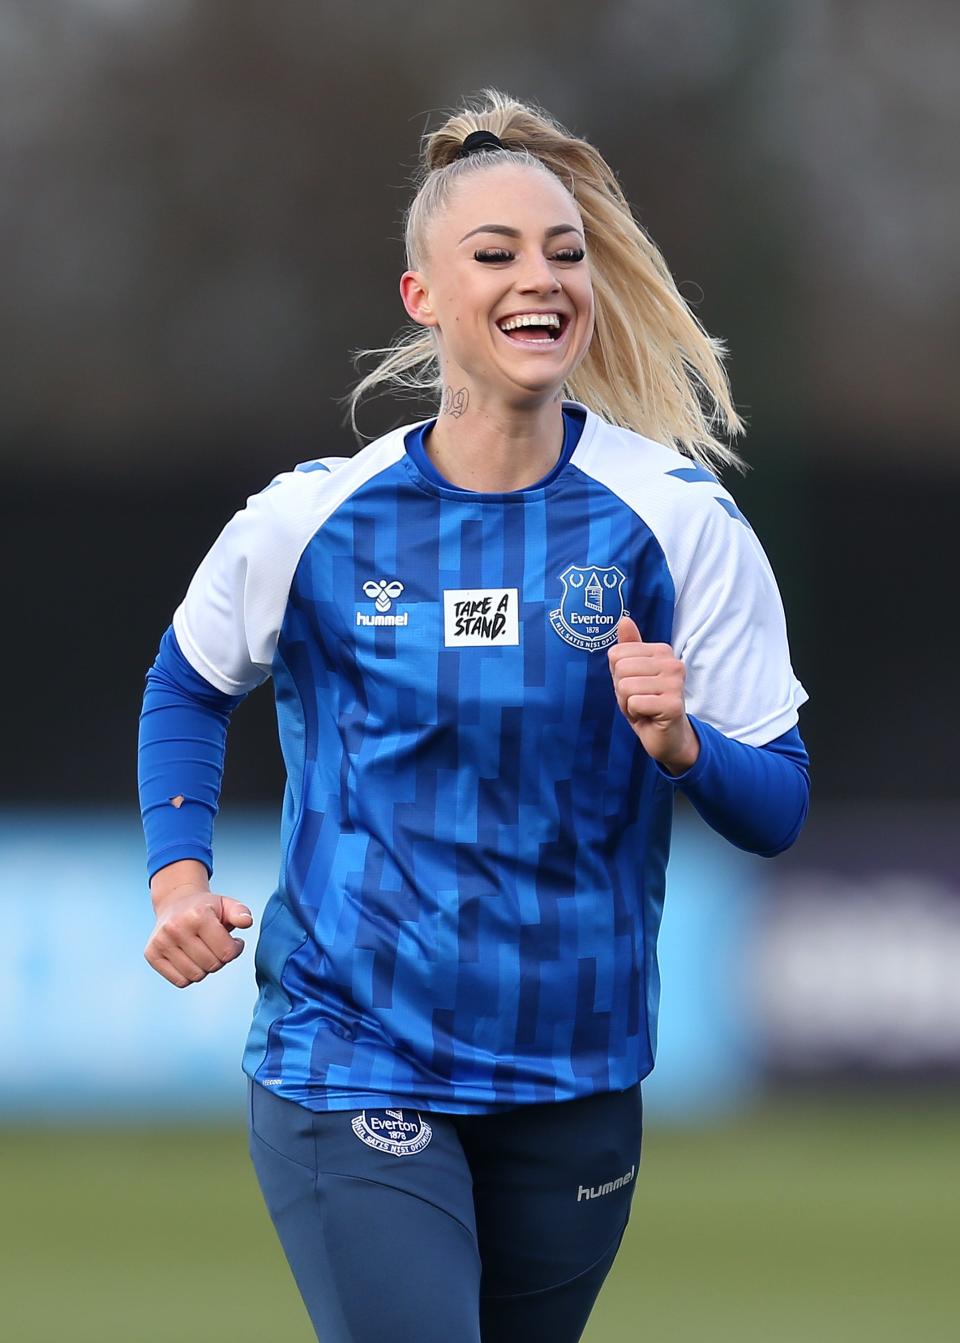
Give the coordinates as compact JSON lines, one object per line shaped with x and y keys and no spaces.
{"x":478,"y":141}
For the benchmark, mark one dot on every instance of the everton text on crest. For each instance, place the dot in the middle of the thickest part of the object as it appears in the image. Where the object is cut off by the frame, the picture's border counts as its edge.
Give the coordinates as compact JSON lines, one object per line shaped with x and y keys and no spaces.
{"x":591,"y":606}
{"x":399,"y":1132}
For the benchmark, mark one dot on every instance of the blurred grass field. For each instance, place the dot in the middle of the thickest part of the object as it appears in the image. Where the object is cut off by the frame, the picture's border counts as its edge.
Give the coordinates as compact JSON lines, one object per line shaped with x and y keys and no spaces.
{"x":803,"y":1221}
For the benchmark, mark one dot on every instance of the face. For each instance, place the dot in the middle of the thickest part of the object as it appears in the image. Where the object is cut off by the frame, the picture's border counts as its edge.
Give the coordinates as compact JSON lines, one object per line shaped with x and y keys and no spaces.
{"x":510,"y":243}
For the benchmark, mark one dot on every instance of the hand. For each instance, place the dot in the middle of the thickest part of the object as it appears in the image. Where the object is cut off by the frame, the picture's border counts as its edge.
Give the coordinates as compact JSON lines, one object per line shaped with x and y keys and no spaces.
{"x":648,"y":682}
{"x":190,"y":940}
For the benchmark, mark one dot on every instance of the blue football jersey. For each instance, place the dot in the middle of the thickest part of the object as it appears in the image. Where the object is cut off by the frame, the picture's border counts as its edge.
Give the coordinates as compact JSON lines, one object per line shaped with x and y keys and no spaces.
{"x":474,"y":841}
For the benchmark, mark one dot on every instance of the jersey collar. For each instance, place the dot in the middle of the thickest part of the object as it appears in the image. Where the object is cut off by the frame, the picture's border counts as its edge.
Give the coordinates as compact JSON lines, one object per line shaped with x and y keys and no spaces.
{"x":579,"y":425}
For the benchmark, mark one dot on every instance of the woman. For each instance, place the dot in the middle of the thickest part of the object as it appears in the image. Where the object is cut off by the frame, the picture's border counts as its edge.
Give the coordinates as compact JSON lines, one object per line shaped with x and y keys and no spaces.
{"x":500,"y":639}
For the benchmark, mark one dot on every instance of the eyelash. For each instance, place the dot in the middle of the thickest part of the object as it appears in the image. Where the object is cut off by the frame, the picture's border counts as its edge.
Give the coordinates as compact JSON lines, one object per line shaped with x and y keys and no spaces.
{"x":569,"y":254}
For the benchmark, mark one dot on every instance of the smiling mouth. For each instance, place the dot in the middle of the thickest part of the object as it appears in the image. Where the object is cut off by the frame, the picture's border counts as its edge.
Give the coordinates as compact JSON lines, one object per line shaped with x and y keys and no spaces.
{"x":537,"y":337}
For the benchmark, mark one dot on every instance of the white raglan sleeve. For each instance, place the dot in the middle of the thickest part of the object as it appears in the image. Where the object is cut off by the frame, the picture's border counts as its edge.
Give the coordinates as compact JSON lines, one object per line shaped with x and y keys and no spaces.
{"x":229,"y":621}
{"x":730,"y":630}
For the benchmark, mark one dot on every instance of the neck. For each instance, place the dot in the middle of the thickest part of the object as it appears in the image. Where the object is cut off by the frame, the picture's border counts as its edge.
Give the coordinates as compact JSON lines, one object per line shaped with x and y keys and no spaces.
{"x":494,"y":449}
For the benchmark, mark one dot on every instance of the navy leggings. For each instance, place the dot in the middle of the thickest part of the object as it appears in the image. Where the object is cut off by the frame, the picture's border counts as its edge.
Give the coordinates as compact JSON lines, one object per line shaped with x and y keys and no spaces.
{"x":434,"y":1228}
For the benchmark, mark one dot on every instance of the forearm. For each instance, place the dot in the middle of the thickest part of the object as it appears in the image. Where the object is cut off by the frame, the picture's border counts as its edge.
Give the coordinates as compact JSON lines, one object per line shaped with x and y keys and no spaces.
{"x":183,"y":730}
{"x":756,"y":797}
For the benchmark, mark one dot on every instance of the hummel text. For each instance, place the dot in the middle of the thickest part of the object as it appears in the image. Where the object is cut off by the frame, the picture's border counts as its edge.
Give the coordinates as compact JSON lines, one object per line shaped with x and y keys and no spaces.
{"x":378,"y":619}
{"x":598,"y":1190}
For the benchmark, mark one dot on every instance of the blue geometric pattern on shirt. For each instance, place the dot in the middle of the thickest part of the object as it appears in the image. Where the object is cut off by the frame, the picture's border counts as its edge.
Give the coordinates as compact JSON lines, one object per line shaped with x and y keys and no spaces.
{"x":474,"y":841}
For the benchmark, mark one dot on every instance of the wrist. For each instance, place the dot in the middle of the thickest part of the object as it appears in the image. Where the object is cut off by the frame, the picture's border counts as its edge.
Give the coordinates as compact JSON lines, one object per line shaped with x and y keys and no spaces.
{"x":687,"y":753}
{"x":173,"y":881}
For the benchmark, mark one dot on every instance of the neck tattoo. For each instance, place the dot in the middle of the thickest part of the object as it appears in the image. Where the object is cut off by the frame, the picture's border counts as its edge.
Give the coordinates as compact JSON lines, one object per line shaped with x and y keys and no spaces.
{"x":454,"y":402}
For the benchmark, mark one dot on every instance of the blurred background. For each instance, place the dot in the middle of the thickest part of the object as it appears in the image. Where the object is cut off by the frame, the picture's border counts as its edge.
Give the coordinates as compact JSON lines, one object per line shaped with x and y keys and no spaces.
{"x":200,"y":222}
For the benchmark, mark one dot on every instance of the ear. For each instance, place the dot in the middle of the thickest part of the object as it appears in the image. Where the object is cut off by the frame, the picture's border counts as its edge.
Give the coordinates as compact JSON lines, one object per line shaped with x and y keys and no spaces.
{"x":416,"y":297}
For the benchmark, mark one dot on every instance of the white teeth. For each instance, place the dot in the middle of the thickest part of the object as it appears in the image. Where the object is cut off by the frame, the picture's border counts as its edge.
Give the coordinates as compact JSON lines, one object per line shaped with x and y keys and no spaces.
{"x":531,"y":319}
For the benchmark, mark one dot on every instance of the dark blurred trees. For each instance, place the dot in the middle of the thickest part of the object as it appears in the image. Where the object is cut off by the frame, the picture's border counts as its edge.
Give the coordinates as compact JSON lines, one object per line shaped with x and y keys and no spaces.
{"x":201,"y":201}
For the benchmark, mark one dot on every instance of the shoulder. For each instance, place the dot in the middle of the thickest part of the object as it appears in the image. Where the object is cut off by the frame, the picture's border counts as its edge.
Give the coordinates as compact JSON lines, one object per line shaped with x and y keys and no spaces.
{"x":229,"y":620}
{"x":299,"y":500}
{"x":650,"y":476}
{"x":267,"y":536}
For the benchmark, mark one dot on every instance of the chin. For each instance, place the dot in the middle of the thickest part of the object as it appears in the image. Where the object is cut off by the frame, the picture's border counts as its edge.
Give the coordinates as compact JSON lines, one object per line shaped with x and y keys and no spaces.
{"x":527,"y":381}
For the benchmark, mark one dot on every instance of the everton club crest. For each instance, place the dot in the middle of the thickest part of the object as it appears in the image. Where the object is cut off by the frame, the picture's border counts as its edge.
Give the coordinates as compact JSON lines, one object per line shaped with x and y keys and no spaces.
{"x":399,"y":1132}
{"x":591,"y":606}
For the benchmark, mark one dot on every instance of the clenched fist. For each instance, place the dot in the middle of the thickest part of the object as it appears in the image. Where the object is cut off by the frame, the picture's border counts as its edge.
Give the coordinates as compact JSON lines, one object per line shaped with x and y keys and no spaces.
{"x":648,"y":682}
{"x":191,"y":938}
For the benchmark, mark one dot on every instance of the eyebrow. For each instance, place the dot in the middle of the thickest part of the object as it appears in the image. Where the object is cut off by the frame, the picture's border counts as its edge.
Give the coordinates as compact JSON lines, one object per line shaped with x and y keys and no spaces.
{"x":515,"y":233}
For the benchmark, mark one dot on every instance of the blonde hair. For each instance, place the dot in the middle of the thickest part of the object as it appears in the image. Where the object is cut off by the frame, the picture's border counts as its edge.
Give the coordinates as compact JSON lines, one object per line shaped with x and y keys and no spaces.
{"x":650,"y":367}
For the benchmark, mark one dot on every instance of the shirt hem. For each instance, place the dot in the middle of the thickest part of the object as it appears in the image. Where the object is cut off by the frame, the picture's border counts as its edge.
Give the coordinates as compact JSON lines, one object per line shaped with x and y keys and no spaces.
{"x":322,"y":1100}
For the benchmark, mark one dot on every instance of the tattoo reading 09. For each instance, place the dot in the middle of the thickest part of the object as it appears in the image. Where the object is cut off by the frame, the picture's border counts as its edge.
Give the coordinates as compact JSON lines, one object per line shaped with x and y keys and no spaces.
{"x":454,"y":402}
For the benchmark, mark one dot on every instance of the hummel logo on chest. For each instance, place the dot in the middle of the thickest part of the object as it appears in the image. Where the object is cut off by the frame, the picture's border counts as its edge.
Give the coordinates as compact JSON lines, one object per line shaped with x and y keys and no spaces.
{"x":383,"y":594}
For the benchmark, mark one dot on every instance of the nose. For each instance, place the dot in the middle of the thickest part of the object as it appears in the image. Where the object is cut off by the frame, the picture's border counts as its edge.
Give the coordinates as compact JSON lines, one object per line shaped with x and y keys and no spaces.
{"x":538,"y":276}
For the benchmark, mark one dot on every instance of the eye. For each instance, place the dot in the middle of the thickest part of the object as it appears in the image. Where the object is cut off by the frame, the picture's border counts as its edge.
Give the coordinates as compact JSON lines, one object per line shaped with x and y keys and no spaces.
{"x":569,"y":255}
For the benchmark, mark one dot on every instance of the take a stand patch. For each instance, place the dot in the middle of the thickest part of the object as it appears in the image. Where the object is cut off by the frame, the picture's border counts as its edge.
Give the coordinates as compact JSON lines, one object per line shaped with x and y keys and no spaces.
{"x":480,"y":617}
